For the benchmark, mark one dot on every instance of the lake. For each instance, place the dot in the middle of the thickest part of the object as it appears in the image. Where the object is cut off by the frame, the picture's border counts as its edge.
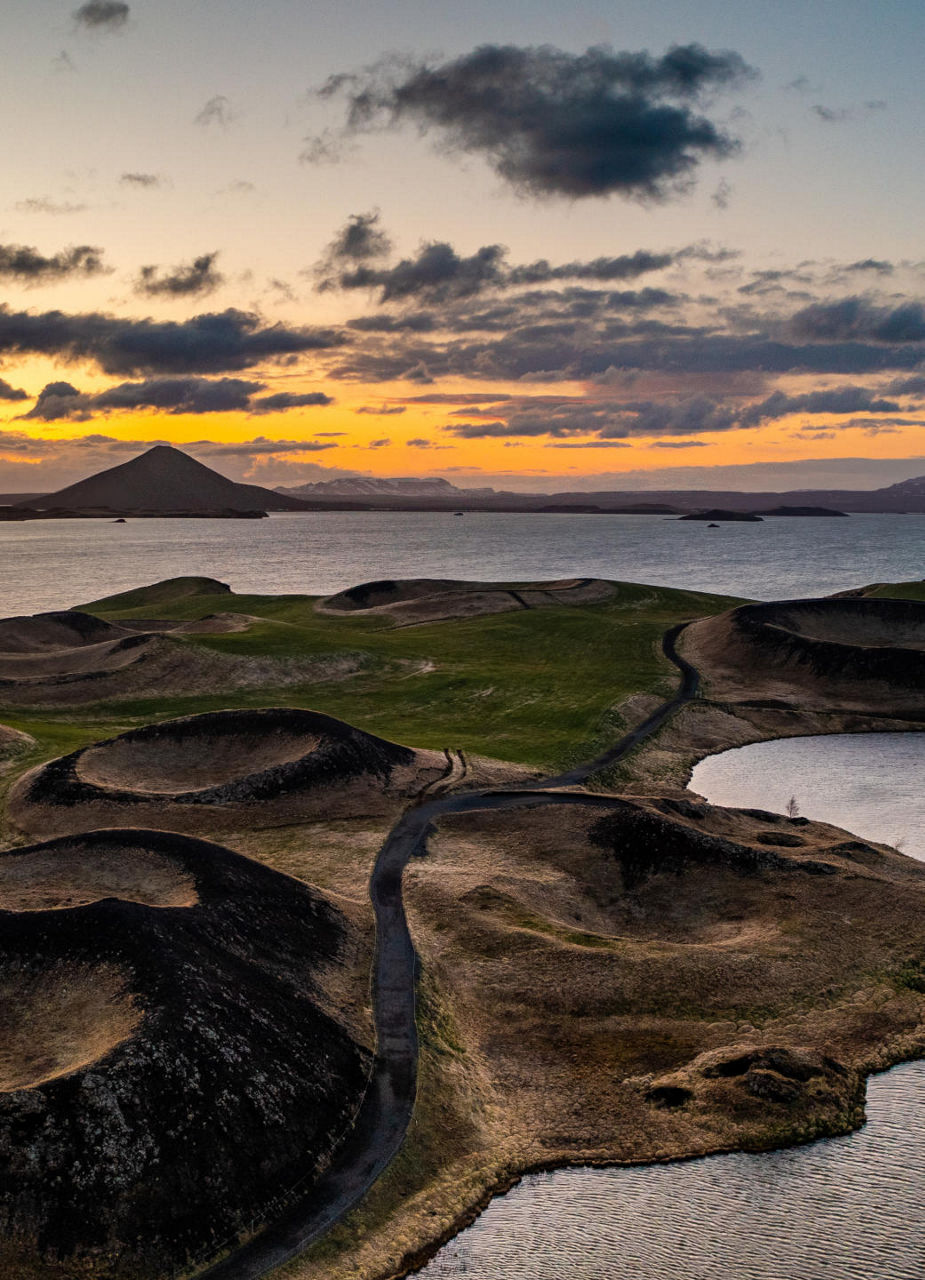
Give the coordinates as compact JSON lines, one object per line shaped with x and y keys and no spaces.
{"x":843,"y":1209}
{"x":56,"y":564}
{"x":870,"y":783}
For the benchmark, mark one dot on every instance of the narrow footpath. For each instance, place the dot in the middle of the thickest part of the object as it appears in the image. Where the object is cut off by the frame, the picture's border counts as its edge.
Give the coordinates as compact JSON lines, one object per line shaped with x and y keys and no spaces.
{"x":385,"y":1113}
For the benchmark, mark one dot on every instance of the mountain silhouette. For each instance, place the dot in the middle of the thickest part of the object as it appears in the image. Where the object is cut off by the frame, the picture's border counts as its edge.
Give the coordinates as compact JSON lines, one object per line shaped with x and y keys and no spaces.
{"x":165,"y":479}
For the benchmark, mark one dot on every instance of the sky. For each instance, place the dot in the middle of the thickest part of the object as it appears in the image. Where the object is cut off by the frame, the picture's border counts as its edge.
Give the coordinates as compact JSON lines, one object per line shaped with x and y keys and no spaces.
{"x":527,"y":246}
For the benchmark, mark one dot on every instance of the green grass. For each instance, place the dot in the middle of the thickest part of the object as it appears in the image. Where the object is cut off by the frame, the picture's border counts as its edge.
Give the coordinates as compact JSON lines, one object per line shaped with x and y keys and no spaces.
{"x":898,"y":591}
{"x":536,"y":687}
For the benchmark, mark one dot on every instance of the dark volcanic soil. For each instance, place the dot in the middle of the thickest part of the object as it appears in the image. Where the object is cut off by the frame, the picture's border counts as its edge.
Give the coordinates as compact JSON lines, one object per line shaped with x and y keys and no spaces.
{"x":167,"y":1072}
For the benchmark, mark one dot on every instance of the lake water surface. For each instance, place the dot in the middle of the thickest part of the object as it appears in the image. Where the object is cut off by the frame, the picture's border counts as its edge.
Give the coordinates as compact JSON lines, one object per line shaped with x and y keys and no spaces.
{"x":844,"y":1209}
{"x":56,"y":564}
{"x":871,"y":783}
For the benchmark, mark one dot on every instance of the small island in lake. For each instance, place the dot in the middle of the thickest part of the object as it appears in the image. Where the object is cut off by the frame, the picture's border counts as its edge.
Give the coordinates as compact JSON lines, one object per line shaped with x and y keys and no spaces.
{"x":721,"y":513}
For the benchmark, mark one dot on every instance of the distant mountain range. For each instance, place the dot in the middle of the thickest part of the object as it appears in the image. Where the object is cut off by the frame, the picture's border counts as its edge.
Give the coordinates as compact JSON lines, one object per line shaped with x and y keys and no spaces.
{"x":382,"y":486}
{"x":167,"y":481}
{"x":411,"y":492}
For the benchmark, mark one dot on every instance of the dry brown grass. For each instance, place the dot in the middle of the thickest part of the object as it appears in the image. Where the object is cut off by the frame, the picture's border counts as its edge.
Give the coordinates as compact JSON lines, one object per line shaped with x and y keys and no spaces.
{"x":562,"y":1005}
{"x":59,"y":1020}
{"x":50,"y":880}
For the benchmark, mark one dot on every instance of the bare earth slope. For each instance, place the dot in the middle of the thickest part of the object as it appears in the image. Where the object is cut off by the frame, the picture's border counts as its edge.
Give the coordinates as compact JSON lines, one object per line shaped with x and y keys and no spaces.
{"x":73,"y":658}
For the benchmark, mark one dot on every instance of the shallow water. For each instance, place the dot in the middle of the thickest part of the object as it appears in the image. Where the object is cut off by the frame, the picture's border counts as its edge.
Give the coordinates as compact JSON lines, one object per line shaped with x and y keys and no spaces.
{"x":844,"y":1209}
{"x":56,"y":564}
{"x":869,"y":783}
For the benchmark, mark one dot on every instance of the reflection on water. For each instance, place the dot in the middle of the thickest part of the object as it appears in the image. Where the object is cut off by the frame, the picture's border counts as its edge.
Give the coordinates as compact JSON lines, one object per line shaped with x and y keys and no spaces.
{"x":869,"y":783}
{"x":55,"y":564}
{"x":844,"y":1209}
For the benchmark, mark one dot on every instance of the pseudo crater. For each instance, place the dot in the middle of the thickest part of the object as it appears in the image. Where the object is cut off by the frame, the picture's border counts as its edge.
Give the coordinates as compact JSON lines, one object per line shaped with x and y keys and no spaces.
{"x":174,"y":1060}
{"x":248,"y":767}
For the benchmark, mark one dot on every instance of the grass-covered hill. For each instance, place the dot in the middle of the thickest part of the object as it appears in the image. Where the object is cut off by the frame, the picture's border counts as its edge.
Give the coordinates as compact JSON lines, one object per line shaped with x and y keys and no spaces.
{"x":536,"y":686}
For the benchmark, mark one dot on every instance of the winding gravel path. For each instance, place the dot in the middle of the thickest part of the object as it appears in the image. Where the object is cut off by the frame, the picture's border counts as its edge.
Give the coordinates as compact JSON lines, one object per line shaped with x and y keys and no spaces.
{"x":386,"y":1110}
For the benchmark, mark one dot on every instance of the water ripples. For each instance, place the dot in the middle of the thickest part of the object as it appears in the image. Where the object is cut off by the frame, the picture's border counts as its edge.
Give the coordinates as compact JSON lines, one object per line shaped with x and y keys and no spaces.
{"x":844,"y":1209}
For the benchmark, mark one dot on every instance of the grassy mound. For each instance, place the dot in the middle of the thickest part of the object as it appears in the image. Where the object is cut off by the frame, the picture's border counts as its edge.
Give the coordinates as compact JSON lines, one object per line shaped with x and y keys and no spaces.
{"x":537,"y":686}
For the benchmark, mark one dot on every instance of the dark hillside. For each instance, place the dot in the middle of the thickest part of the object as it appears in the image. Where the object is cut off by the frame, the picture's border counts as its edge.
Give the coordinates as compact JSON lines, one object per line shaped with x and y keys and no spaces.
{"x":167,"y":1071}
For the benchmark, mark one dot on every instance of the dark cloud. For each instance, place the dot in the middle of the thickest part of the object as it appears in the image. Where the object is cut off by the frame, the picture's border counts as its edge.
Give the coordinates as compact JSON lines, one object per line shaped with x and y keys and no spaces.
{"x":457,"y":289}
{"x":260,"y":445}
{"x":8,"y":392}
{"x":774,"y":280}
{"x":437,"y":273}
{"x":838,"y":115}
{"x":856,"y":319}
{"x":378,"y":444}
{"x":466,"y":397}
{"x":913,"y":386}
{"x":410,"y":322}
{"x":280,"y":401}
{"x":102,"y":15}
{"x":190,"y":280}
{"x":878,"y":265}
{"x":831,"y":115}
{"x":839,"y":400}
{"x":360,"y":239}
{"x":722,"y":196}
{"x":553,"y":123}
{"x":214,"y":342}
{"x":381,"y":411}
{"x":60,"y":400}
{"x":57,"y":401}
{"x":679,"y":444}
{"x":566,"y":416}
{"x":627,"y":266}
{"x":180,"y":395}
{"x":25,"y":264}
{"x":216,"y":111}
{"x":594,"y":335}
{"x":140,"y":180}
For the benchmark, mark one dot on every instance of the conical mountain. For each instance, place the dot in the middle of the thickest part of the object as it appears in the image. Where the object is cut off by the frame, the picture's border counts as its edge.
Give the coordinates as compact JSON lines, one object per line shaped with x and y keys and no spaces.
{"x":165,"y":479}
